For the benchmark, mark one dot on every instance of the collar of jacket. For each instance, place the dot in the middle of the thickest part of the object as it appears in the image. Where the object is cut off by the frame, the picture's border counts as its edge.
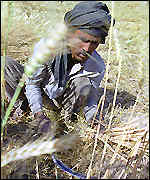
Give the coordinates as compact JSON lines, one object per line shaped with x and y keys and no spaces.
{"x":58,"y":66}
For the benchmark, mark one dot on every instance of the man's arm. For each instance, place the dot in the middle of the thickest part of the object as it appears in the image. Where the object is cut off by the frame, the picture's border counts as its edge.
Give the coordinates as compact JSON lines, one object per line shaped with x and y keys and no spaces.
{"x":95,"y":93}
{"x":33,"y":89}
{"x":34,"y":96}
{"x":97,"y":66}
{"x":33,"y":83}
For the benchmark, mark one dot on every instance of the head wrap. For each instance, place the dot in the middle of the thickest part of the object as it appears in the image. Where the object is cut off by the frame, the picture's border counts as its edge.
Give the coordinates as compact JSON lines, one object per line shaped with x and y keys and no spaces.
{"x":91,"y":17}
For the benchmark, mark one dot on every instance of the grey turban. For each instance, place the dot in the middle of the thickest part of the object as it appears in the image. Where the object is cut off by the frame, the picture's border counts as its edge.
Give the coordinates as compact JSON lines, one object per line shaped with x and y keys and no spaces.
{"x":90,"y":16}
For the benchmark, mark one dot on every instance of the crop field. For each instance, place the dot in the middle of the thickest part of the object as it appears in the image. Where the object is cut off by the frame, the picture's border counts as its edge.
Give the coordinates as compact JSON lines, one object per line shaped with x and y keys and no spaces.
{"x":122,"y":150}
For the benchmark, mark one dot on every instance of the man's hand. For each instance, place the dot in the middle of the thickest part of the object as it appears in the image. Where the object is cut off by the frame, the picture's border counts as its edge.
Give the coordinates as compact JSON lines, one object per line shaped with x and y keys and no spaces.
{"x":42,"y":122}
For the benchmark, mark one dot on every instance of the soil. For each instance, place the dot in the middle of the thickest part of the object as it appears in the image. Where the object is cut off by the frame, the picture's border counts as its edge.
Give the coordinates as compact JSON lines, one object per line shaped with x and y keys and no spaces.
{"x":20,"y":131}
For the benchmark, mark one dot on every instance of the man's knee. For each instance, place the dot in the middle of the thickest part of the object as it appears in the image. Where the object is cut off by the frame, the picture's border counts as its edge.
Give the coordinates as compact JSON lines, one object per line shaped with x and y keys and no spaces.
{"x":12,"y":73}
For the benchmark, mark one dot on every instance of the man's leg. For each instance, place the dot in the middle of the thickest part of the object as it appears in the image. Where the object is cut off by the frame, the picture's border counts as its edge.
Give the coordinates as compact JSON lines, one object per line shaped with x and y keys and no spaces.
{"x":81,"y":95}
{"x":12,"y":74}
{"x":75,"y":96}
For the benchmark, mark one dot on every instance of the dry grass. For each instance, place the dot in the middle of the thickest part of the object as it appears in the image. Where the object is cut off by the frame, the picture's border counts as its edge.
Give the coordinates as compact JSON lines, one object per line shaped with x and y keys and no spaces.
{"x":122,"y":152}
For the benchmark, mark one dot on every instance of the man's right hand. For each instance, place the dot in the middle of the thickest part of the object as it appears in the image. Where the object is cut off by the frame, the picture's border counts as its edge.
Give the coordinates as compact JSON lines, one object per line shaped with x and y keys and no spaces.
{"x":42,"y":122}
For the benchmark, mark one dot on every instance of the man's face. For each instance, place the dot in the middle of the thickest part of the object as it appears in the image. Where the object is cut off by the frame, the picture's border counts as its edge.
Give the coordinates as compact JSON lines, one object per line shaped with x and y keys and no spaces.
{"x":80,"y":41}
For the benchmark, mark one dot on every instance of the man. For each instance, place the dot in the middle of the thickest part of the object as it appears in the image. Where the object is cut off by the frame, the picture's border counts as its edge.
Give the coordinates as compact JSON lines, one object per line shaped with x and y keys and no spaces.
{"x":66,"y":78}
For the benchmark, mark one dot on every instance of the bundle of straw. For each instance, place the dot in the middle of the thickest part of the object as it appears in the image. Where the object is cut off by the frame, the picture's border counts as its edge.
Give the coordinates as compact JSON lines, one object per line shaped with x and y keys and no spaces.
{"x":133,"y":134}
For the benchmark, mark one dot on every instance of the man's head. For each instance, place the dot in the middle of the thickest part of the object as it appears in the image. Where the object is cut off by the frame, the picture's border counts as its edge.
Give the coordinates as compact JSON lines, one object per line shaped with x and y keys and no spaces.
{"x":79,"y":42}
{"x":88,"y":23}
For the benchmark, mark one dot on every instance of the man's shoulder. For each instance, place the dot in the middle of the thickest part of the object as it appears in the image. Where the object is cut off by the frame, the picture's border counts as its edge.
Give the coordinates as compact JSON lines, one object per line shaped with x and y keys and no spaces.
{"x":97,"y":55}
{"x":95,"y":63}
{"x":97,"y":58}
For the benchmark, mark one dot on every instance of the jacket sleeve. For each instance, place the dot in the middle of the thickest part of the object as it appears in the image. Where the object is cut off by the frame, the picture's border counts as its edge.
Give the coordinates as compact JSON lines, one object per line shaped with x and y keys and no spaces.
{"x":34,"y":84}
{"x":33,"y":89}
{"x":98,"y":67}
{"x":95,"y":92}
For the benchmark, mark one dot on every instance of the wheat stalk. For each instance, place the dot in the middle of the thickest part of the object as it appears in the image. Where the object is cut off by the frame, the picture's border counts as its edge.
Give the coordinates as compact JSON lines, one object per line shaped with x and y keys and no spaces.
{"x":128,"y":134}
{"x":44,"y":145}
{"x":107,"y":75}
{"x":103,"y":97}
{"x":119,"y":58}
{"x":9,"y":12}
